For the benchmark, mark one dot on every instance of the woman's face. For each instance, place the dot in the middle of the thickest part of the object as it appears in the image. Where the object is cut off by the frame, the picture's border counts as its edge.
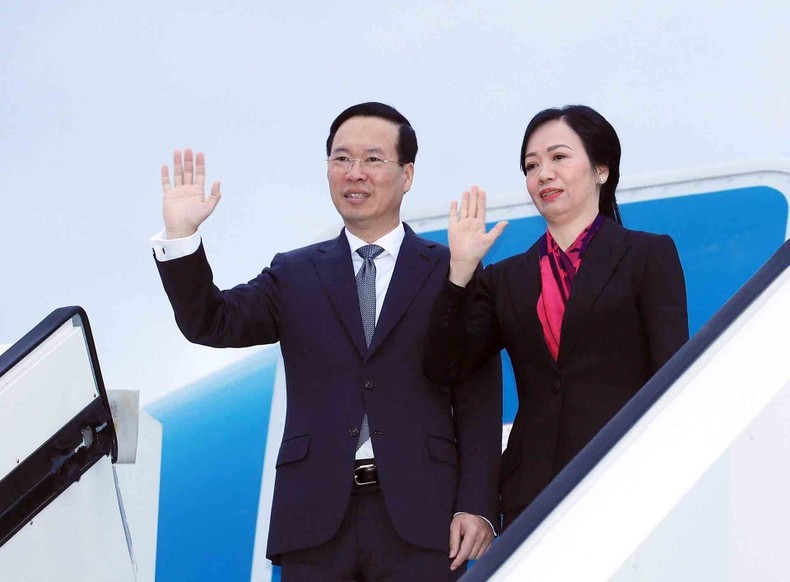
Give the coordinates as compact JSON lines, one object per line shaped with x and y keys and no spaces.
{"x":563,"y":184}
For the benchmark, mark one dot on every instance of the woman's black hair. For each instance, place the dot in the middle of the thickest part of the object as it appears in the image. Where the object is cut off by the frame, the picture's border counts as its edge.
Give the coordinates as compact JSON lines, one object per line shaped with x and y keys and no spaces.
{"x":600,"y":143}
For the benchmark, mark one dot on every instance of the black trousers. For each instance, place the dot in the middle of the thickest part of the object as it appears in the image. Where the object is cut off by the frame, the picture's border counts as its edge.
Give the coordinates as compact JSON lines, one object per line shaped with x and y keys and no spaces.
{"x":366,"y":548}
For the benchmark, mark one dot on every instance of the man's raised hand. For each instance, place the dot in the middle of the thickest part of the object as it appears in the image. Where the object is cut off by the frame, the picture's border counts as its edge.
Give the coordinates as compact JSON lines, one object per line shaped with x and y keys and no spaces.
{"x":185,"y":205}
{"x":468,"y":240}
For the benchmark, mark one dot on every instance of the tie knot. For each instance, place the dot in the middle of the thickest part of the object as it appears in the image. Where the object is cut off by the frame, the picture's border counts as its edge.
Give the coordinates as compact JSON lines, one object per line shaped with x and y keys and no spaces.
{"x":370,"y":252}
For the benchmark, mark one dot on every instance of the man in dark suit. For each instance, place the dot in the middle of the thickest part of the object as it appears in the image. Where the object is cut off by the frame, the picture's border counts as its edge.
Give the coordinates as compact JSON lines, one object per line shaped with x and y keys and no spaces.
{"x":380,"y":470}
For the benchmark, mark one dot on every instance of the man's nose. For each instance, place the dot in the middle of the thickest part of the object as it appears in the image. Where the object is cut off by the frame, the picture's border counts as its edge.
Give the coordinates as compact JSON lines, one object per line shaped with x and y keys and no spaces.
{"x":356,"y":170}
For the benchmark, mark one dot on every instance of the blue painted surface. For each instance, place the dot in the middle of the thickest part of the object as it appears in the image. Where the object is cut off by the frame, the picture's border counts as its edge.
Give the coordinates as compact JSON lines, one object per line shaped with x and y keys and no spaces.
{"x":215,"y":430}
{"x":213,"y":443}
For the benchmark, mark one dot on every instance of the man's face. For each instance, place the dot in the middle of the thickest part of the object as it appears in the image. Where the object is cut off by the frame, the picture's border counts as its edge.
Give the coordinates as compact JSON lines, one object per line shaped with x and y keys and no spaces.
{"x":368,"y":198}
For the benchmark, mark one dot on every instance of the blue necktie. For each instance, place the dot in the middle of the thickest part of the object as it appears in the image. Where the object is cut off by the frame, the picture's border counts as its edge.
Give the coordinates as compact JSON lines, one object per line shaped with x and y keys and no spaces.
{"x":366,"y":288}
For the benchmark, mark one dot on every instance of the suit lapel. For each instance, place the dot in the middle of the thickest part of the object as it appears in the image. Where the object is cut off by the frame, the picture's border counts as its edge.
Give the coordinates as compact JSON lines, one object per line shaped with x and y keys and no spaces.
{"x":416,"y":260}
{"x":524,"y":287}
{"x":599,"y":262}
{"x":336,"y":271}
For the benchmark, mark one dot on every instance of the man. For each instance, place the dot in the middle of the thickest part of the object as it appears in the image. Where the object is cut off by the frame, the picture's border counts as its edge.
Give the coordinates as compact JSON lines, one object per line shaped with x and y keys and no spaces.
{"x":380,"y":470}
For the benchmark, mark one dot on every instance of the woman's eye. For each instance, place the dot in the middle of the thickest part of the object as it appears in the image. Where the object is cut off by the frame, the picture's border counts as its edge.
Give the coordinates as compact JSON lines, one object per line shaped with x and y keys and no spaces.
{"x":559,"y":156}
{"x":531,"y":166}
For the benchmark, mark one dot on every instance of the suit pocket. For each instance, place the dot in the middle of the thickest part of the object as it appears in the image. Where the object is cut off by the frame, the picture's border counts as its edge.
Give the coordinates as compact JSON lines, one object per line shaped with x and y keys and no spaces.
{"x":293,"y":450}
{"x":443,"y":450}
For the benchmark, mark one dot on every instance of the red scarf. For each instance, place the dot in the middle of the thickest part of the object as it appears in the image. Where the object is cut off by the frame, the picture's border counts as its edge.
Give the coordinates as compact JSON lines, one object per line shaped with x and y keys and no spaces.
{"x":557,"y":271}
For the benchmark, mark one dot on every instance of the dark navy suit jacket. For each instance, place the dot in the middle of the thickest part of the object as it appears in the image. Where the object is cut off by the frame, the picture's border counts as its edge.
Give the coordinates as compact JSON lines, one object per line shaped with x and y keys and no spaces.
{"x":624,"y":319}
{"x":437,"y":447}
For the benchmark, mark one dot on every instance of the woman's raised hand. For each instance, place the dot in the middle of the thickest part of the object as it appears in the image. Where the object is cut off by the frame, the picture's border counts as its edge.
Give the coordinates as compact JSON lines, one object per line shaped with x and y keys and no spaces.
{"x":467,"y":236}
{"x":185,"y":205}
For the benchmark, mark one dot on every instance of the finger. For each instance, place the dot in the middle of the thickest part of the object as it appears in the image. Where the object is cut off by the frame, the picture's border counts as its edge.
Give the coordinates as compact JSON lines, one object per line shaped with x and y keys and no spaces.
{"x":485,"y":546}
{"x":200,"y":171}
{"x":213,"y":199}
{"x":165,"y":179}
{"x":481,"y":204}
{"x":463,"y":552}
{"x":455,"y":537}
{"x":178,"y":169}
{"x":499,"y":227}
{"x":453,"y":211}
{"x":188,"y":168}
{"x":473,"y":202}
{"x":464,"y":206}
{"x":474,"y":553}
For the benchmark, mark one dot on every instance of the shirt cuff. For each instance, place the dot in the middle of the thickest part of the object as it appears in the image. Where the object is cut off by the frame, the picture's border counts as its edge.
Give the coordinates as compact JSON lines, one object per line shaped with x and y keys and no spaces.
{"x":491,"y":525}
{"x":168,"y":249}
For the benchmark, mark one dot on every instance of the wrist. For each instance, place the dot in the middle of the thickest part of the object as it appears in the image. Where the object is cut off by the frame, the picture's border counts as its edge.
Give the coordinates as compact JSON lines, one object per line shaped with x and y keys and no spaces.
{"x":182,"y":232}
{"x":461,"y":272}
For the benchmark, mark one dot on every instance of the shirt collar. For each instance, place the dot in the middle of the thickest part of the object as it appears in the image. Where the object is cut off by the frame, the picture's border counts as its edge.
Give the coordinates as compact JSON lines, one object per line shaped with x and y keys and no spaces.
{"x":390,"y":242}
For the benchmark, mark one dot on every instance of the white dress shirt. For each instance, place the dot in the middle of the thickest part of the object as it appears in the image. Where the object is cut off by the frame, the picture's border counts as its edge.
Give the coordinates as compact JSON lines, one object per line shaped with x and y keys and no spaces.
{"x":385,"y":265}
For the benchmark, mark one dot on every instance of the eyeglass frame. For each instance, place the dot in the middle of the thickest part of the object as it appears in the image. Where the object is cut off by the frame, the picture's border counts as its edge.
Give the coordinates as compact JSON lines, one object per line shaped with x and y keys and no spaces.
{"x":363,"y":163}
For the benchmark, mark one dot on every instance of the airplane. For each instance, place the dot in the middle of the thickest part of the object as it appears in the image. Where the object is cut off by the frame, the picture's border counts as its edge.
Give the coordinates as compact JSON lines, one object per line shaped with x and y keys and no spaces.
{"x":685,"y":483}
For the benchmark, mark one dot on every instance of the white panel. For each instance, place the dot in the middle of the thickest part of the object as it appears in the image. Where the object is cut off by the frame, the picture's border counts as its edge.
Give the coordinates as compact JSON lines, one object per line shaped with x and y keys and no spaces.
{"x":735,"y":522}
{"x":261,"y":566}
{"x":759,"y":511}
{"x":42,"y":393}
{"x":78,"y":537}
{"x":594,"y":530}
{"x":139,"y":484}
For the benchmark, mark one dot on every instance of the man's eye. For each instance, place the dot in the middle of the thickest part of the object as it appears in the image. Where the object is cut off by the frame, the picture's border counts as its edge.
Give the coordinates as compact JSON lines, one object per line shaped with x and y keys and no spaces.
{"x":340,"y":159}
{"x":373,"y":160}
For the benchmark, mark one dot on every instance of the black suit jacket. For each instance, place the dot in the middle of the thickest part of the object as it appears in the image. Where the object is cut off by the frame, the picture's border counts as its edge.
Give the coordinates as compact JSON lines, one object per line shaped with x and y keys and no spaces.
{"x":437,"y":447}
{"x":625,"y":317}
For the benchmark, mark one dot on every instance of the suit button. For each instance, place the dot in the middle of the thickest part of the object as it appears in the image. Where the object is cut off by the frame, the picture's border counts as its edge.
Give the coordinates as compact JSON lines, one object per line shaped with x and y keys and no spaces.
{"x":556,"y":386}
{"x":354,"y":432}
{"x":369,"y":385}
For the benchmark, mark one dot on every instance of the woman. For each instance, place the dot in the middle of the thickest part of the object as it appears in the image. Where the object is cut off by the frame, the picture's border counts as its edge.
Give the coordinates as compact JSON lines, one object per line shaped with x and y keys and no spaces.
{"x":587,"y":314}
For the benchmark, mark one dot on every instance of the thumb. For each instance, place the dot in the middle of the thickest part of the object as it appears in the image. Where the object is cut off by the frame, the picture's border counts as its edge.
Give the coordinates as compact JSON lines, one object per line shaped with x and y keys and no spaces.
{"x":215,"y":195}
{"x":498,"y":228}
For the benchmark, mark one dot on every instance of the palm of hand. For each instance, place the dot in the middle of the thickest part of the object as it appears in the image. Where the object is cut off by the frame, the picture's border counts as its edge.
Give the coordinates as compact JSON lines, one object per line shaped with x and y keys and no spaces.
{"x":468,"y":239}
{"x":185,"y":206}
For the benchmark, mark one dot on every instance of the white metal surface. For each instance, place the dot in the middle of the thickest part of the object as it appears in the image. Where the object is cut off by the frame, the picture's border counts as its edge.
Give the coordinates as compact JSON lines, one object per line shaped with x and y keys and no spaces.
{"x":595,"y":529}
{"x":78,"y":537}
{"x":125,"y":409}
{"x":139,"y":485}
{"x":42,"y":393}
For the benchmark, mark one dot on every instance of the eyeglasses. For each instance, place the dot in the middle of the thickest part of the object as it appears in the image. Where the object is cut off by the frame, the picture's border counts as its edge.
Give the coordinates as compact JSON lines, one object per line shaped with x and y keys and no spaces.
{"x":369,"y":164}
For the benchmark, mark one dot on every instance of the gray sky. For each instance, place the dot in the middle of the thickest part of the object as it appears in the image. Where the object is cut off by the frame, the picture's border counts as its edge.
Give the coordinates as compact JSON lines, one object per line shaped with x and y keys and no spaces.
{"x":94,"y":96}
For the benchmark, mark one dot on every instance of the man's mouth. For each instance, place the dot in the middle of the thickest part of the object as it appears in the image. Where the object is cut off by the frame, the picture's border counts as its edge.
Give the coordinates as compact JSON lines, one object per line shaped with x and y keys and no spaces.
{"x":357,"y":195}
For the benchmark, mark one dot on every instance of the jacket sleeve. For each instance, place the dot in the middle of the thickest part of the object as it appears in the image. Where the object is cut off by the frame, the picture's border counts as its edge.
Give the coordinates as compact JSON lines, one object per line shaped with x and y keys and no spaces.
{"x":662,"y":302}
{"x":477,"y":414}
{"x":245,"y":315}
{"x":463,"y":333}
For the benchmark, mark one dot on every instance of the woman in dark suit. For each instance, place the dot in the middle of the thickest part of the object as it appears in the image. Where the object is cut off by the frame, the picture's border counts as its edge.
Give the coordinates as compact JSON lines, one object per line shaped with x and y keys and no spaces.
{"x":588,"y":314}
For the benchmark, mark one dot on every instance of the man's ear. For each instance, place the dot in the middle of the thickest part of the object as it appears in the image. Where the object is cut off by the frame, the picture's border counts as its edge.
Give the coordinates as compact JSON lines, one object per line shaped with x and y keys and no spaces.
{"x":408,"y":170}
